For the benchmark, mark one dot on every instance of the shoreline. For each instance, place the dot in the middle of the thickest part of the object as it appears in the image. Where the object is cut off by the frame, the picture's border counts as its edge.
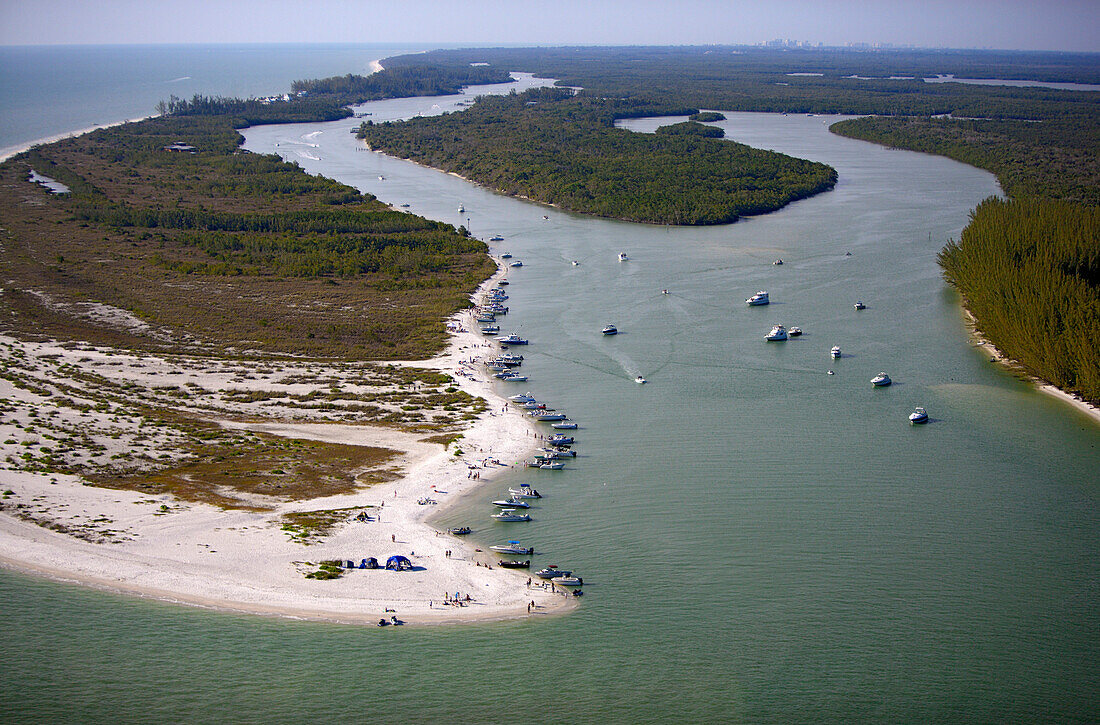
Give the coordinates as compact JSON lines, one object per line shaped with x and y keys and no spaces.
{"x":15,"y":150}
{"x":243,"y":561}
{"x":1080,"y":405}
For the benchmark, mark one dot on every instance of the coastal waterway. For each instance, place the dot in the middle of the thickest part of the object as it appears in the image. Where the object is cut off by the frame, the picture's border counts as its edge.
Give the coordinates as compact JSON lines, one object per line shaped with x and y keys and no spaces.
{"x":760,"y":541}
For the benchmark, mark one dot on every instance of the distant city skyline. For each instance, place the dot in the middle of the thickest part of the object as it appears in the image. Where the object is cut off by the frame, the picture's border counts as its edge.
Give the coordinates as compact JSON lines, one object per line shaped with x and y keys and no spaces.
{"x":1059,"y":25}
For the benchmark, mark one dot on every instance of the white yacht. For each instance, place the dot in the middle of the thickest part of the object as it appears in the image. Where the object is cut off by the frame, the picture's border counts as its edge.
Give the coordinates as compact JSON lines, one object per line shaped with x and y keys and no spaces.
{"x":512,"y":339}
{"x":778,"y":334}
{"x":835,"y":352}
{"x":610,"y":330}
{"x":521,"y":398}
{"x":524,"y":491}
{"x":920,"y":415}
{"x":567,"y":581}
{"x":512,"y":502}
{"x":795,"y":332}
{"x":461,"y":209}
{"x":881,"y":380}
{"x":564,"y":425}
{"x":547,"y":416}
{"x":760,"y":298}
{"x":513,"y":547}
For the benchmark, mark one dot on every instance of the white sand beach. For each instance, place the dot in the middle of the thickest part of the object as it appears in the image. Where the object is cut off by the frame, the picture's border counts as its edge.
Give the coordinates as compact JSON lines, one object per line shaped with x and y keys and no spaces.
{"x":158,"y":546}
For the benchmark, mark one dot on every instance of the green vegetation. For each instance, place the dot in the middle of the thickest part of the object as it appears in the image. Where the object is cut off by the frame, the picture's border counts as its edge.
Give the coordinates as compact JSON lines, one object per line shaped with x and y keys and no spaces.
{"x":399,"y":82}
{"x":707,"y":117}
{"x":554,"y":148}
{"x":691,"y":128}
{"x":309,"y":527}
{"x":297,"y":263}
{"x":1030,"y":273}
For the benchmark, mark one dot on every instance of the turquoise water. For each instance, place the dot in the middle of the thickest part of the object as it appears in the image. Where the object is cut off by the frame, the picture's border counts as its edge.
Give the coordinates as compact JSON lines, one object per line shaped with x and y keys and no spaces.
{"x":760,"y":541}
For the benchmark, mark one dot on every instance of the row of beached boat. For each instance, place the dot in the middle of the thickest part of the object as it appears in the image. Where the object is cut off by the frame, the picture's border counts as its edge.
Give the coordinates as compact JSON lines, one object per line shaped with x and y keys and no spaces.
{"x":779,"y":333}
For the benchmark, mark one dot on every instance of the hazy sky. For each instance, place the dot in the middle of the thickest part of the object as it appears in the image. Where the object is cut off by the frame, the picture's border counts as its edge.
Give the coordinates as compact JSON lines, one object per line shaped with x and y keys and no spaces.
{"x":1010,"y":24}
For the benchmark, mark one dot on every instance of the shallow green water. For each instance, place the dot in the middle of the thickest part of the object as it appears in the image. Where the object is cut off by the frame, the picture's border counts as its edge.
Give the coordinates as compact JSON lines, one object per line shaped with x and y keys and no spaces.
{"x":760,"y":541}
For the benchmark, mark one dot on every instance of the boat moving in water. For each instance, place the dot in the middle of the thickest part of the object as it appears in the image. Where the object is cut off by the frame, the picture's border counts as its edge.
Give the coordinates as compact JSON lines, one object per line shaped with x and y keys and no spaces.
{"x":610,"y":330}
{"x":760,"y":298}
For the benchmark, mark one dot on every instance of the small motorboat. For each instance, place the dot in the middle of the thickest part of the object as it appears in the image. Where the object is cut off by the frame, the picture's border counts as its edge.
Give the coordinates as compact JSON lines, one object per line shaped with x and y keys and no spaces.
{"x":496,"y":238}
{"x":640,"y":380}
{"x":459,"y":530}
{"x":461,"y":209}
{"x":545,"y":217}
{"x":503,"y":281}
{"x":509,"y":515}
{"x":758,"y":299}
{"x":512,"y":502}
{"x":381,"y":178}
{"x":513,"y":547}
{"x":506,"y":256}
{"x":794,"y":332}
{"x":835,"y":352}
{"x":920,"y":415}
{"x":623,"y":257}
{"x":552,"y":465}
{"x":516,"y":263}
{"x":545,"y":417}
{"x":576,"y":263}
{"x":404,"y":206}
{"x":490,"y":330}
{"x":778,"y":334}
{"x":511,"y":564}
{"x":552,"y":571}
{"x":559,"y":439}
{"x":555,"y":452}
{"x":664,"y":291}
{"x":567,"y":581}
{"x":511,"y":377}
{"x":521,"y":398}
{"x":564,"y":425}
{"x":524,"y":492}
{"x":859,"y":305}
{"x":512,"y":339}
{"x":778,"y":262}
{"x":881,"y":380}
{"x":610,"y":330}
{"x":533,"y":405}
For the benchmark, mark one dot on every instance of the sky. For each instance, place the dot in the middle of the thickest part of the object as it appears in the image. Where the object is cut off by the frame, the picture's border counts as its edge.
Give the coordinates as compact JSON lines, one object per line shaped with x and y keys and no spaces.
{"x":1071,"y":25}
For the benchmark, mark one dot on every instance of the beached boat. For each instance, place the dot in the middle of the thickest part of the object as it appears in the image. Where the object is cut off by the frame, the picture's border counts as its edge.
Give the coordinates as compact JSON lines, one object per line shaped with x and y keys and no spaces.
{"x":778,"y":334}
{"x":490,"y":329}
{"x":521,"y":398}
{"x":565,"y":425}
{"x":835,"y":352}
{"x":567,"y":581}
{"x":533,"y":405}
{"x":512,"y":339}
{"x":881,"y":380}
{"x":859,"y":305}
{"x":524,"y":491}
{"x":511,"y":377}
{"x":459,"y":530}
{"x":559,"y":439}
{"x":510,"y":515}
{"x":512,"y":564}
{"x":512,"y":547}
{"x":556,"y":452}
{"x":552,"y":571}
{"x":920,"y":415}
{"x":610,"y":330}
{"x":546,"y":417}
{"x":758,"y":299}
{"x":552,"y":465}
{"x":512,"y":502}
{"x":510,"y":357}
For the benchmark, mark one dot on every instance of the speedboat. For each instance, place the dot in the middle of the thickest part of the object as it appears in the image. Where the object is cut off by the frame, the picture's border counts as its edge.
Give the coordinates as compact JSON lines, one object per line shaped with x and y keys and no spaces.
{"x":547,"y":416}
{"x":503,"y":281}
{"x":560,"y":440}
{"x":511,"y":564}
{"x":513,"y":547}
{"x":512,"y":339}
{"x":778,"y":334}
{"x":552,"y":452}
{"x":835,"y":352}
{"x":461,"y":209}
{"x":859,"y":305}
{"x":576,"y":263}
{"x":622,"y":256}
{"x":920,"y":415}
{"x":511,"y":377}
{"x":509,"y":357}
{"x":760,"y":298}
{"x":506,"y":256}
{"x":552,"y":571}
{"x":516,"y":263}
{"x":496,"y":238}
{"x":794,"y":331}
{"x":381,"y":178}
{"x":512,"y":502}
{"x":567,"y":425}
{"x":490,"y":329}
{"x":509,"y":515}
{"x":778,"y":262}
{"x":881,"y":380}
{"x":459,"y":530}
{"x":521,"y":398}
{"x":533,"y":405}
{"x":552,"y":465}
{"x":610,"y":330}
{"x":567,"y":581}
{"x":524,"y":491}
{"x":640,"y":380}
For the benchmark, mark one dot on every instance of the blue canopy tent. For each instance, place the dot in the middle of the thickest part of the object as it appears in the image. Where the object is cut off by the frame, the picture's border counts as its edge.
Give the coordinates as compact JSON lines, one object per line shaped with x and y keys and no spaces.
{"x":398,"y":563}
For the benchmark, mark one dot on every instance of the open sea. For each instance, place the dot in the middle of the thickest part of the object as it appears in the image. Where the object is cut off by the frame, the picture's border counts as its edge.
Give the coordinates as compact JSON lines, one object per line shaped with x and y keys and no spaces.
{"x":760,"y":541}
